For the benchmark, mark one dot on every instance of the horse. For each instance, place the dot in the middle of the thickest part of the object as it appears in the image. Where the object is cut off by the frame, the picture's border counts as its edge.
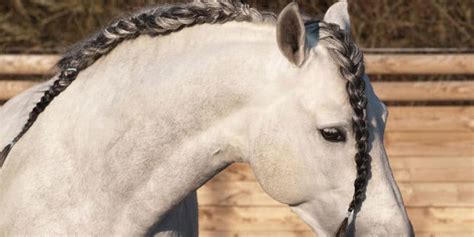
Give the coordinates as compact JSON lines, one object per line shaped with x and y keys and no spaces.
{"x":149,"y":109}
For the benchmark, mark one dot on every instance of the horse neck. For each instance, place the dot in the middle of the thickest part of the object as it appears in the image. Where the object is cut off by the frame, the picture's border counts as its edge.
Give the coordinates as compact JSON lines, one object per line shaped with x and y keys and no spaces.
{"x":213,"y":82}
{"x":158,"y":117}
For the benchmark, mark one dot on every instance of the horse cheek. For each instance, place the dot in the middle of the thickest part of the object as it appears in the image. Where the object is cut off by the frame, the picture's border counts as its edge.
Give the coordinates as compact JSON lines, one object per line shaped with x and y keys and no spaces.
{"x":277,"y":166}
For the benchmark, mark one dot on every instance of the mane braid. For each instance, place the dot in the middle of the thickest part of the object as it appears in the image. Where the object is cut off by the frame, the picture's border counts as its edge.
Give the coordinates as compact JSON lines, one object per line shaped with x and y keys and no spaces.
{"x":351,"y":65}
{"x":153,"y":22}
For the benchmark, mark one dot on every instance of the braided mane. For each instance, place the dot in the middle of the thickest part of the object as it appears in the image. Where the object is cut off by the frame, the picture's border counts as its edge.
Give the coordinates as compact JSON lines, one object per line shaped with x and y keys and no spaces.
{"x":350,"y":60}
{"x":156,"y":21}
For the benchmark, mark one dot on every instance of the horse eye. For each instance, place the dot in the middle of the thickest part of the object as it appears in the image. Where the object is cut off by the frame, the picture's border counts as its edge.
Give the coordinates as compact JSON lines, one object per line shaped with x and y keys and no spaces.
{"x":333,"y":134}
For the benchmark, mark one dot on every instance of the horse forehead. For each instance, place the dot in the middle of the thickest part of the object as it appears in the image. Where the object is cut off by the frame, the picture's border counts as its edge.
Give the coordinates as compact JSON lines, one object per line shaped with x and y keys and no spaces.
{"x":322,"y":88}
{"x":326,"y":98}
{"x":322,"y":72}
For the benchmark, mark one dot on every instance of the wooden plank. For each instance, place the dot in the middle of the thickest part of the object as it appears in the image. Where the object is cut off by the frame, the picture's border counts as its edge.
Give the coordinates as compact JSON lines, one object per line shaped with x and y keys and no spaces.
{"x":425,"y":91}
{"x":249,"y":219}
{"x":387,"y":91}
{"x":375,"y":63}
{"x":405,"y":169}
{"x":27,"y":64}
{"x":411,"y":169}
{"x":445,"y":234}
{"x":429,"y":144}
{"x":418,"y":50}
{"x":245,"y":219}
{"x":10,"y":88}
{"x":311,"y":234}
{"x":234,"y":193}
{"x":438,"y":194}
{"x":430,"y":118}
{"x":236,"y":172}
{"x":419,"y":63}
{"x":256,"y":234}
{"x":442,"y":219}
{"x":433,"y":169}
{"x":249,"y":193}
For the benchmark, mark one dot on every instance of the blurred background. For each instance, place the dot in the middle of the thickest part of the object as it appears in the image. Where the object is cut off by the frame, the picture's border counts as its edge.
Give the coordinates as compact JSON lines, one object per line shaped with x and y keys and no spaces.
{"x":52,"y":25}
{"x":420,"y":57}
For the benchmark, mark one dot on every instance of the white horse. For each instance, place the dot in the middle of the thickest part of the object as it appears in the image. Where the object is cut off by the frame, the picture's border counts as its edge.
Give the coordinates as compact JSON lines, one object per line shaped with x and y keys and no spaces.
{"x":139,"y":122}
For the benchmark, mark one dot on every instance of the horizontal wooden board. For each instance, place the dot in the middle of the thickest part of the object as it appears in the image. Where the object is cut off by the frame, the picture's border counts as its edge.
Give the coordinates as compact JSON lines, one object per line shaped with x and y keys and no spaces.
{"x":311,"y":234}
{"x":419,"y":63}
{"x":437,"y":194}
{"x":433,"y":169}
{"x":10,"y":88}
{"x":213,"y":218}
{"x":425,"y":91}
{"x":405,"y":169}
{"x":445,"y":234}
{"x":15,"y":64}
{"x":429,"y":144}
{"x":407,"y":63}
{"x":387,"y":91}
{"x":256,"y":234}
{"x":234,"y":193}
{"x":282,"y":219}
{"x":442,"y":219}
{"x":249,"y":193}
{"x":236,"y":172}
{"x":430,"y":118}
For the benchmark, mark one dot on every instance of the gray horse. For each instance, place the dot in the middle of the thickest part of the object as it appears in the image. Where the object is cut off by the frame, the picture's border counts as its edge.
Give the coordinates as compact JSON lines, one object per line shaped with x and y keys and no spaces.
{"x":149,"y":109}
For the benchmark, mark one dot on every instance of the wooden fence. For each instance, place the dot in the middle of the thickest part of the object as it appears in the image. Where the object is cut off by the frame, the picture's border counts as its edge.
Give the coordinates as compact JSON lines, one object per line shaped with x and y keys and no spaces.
{"x":431,"y":151}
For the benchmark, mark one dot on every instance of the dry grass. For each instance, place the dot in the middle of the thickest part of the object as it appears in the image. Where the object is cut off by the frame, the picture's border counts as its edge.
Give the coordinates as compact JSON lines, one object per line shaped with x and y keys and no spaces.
{"x":52,"y":25}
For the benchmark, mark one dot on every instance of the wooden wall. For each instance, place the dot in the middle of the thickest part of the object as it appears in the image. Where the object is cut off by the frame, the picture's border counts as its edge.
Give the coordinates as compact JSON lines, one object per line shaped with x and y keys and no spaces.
{"x":431,"y":151}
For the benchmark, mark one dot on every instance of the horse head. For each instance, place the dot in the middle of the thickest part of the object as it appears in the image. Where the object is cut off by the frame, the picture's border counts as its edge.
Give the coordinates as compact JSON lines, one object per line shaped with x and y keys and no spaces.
{"x":318,"y":143}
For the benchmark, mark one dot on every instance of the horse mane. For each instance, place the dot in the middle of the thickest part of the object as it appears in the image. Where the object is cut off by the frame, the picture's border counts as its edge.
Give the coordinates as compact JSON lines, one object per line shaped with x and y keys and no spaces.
{"x":348,"y":56}
{"x":350,"y":60}
{"x":158,"y":21}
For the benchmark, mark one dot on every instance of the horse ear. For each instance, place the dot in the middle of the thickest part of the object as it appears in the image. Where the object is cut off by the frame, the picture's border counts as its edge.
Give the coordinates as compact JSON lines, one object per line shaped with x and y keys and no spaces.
{"x":338,"y":14}
{"x":291,"y":34}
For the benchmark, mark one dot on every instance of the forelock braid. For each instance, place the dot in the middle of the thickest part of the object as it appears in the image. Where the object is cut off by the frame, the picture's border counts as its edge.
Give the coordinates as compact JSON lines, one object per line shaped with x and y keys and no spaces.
{"x":156,"y":21}
{"x":351,"y":65}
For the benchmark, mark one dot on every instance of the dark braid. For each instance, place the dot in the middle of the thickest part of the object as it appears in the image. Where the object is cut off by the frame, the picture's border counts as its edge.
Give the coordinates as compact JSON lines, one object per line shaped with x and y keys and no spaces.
{"x":153,"y":22}
{"x":64,"y":80}
{"x":158,"y":21}
{"x":351,"y":65}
